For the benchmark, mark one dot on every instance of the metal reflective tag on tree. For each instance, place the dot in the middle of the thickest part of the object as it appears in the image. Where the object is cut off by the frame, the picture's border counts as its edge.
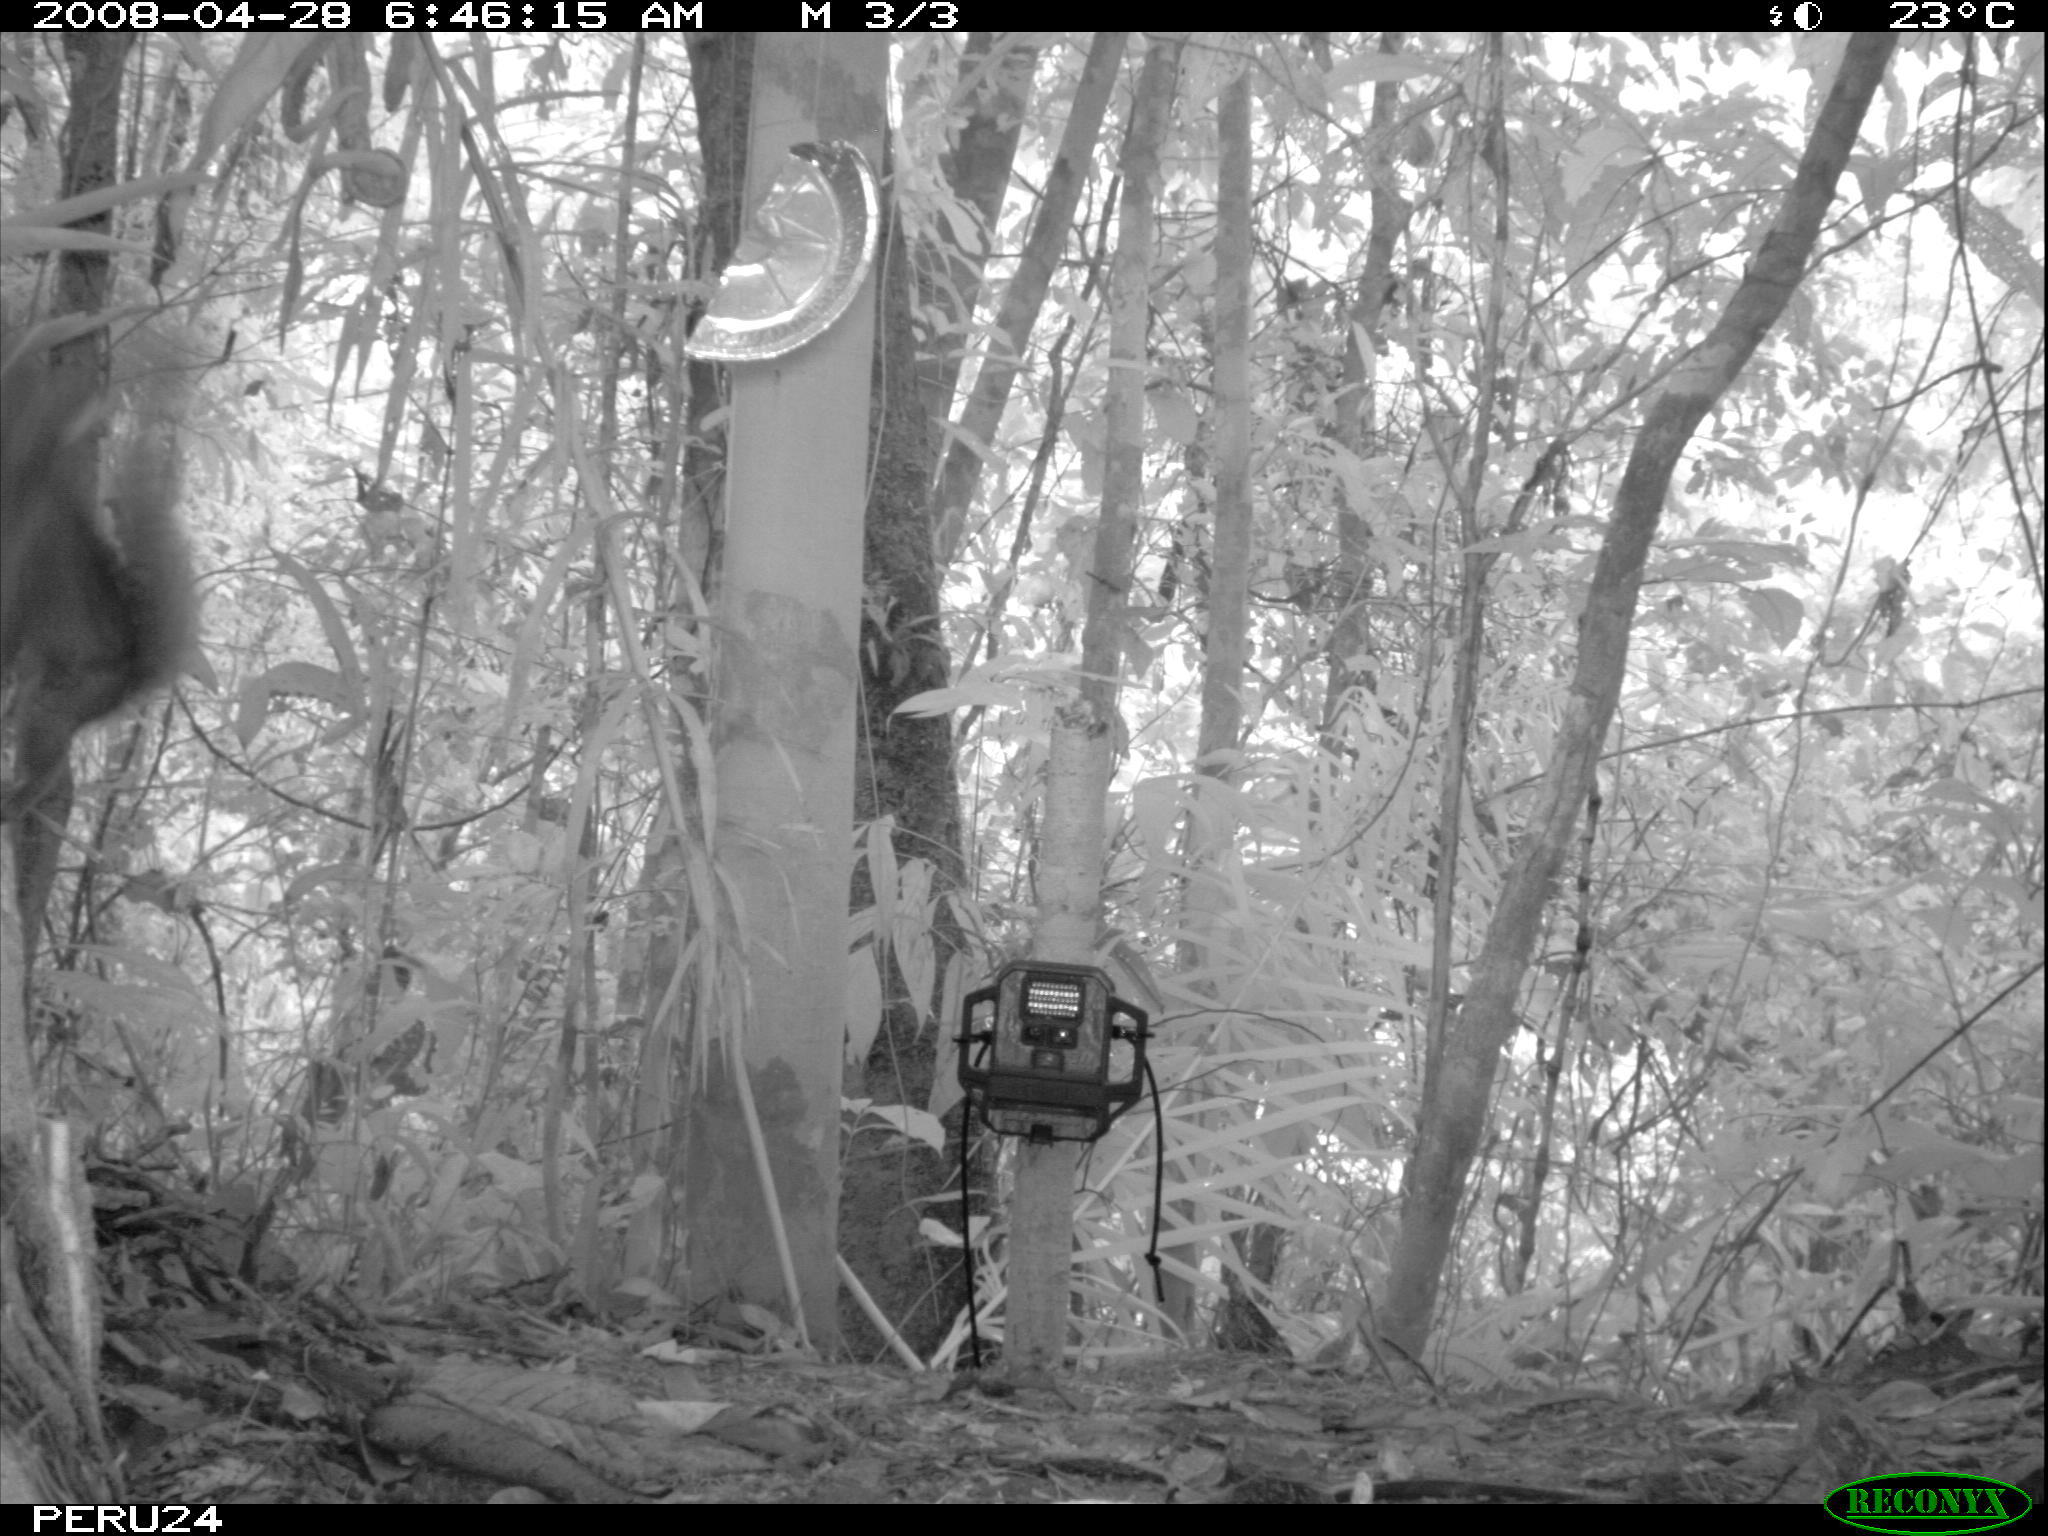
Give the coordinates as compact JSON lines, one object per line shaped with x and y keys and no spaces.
{"x":799,"y":263}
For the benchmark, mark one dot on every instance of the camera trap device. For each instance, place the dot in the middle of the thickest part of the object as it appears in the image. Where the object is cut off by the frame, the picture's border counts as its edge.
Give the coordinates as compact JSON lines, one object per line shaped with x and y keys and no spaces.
{"x":1050,"y":1052}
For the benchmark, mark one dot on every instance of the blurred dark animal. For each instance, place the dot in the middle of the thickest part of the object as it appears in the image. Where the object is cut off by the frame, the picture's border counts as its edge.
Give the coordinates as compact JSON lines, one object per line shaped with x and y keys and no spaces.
{"x":95,"y":609}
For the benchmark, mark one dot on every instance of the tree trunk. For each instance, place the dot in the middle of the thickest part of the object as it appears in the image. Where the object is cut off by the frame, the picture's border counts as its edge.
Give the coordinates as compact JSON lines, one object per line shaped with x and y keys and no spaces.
{"x":1086,"y":725}
{"x":765,"y":1148}
{"x":52,"y":1448}
{"x":904,"y":772}
{"x":1025,"y":295}
{"x":995,"y":88}
{"x":1226,"y":642}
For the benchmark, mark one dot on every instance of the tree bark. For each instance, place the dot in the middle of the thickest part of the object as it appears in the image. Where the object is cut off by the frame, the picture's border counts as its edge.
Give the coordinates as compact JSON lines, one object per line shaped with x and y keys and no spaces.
{"x":1226,"y":643}
{"x":903,"y":771}
{"x":995,"y":86}
{"x":52,"y":1447}
{"x":1025,"y":295}
{"x":765,"y":1148}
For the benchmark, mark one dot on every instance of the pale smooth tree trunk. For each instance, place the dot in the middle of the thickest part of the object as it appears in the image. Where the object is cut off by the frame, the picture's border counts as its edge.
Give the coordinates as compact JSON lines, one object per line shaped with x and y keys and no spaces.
{"x":1086,"y":727}
{"x":789,"y":613}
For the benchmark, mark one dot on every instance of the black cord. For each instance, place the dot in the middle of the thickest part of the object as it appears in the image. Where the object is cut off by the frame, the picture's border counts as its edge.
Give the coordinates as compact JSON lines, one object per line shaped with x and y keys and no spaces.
{"x":1158,"y":1186}
{"x":967,"y":1230}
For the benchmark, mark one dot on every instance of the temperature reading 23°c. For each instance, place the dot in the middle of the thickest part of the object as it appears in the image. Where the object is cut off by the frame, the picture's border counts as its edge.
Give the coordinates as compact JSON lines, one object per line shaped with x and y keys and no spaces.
{"x":1940,"y":16}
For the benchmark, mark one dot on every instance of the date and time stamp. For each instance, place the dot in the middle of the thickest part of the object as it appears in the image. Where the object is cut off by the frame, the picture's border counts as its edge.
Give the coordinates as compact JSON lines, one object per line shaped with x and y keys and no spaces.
{"x":1922,"y":16}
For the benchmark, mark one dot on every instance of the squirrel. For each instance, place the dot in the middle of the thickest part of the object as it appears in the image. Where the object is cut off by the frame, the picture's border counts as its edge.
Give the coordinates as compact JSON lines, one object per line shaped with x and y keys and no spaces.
{"x":92,"y":615}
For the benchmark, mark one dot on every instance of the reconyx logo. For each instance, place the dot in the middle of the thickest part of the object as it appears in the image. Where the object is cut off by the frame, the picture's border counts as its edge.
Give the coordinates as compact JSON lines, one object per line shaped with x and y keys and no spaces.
{"x":1922,"y":1502}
